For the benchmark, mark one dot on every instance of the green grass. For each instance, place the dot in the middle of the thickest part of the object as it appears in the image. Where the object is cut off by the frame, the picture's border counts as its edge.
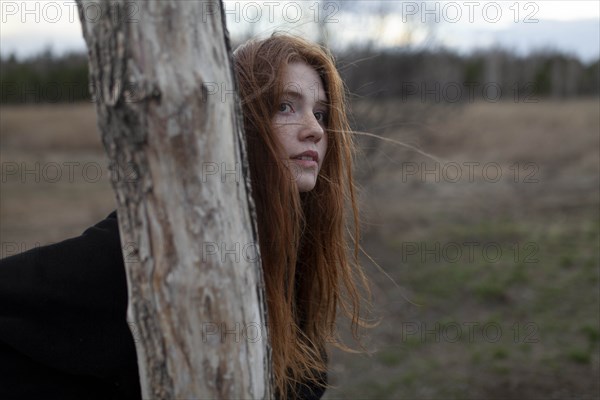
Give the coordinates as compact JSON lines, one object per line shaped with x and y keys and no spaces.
{"x":544,"y":300}
{"x":580,"y":356}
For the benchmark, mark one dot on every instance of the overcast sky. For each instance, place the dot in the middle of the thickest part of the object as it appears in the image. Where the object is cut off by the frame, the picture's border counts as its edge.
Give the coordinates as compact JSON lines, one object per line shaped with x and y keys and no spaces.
{"x":568,"y":26}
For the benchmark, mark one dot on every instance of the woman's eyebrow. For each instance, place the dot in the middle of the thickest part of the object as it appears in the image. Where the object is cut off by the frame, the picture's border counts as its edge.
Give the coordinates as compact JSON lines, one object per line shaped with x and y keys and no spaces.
{"x":299,"y":96}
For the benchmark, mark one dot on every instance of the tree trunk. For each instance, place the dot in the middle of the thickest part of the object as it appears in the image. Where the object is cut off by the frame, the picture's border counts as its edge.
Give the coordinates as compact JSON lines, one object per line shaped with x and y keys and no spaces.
{"x":161,"y":76}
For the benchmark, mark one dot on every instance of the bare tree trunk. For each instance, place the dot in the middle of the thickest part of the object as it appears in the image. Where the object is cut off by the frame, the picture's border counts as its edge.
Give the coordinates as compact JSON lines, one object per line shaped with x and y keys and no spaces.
{"x":170,"y":119}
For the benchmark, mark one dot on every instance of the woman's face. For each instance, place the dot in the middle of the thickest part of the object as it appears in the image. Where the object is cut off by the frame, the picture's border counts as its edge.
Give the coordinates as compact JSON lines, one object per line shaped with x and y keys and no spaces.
{"x":300,"y":123}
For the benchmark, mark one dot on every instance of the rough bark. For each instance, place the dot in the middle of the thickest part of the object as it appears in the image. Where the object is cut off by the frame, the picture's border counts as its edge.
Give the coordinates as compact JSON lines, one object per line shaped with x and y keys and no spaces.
{"x":161,"y":76}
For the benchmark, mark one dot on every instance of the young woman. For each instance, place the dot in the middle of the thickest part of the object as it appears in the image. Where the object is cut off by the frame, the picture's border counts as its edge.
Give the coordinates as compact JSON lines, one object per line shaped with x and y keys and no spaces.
{"x":295,"y":120}
{"x":63,"y":329}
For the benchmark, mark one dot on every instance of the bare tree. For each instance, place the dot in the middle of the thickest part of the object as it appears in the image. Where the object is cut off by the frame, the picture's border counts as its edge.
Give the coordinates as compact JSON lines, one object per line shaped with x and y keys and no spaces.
{"x":169,"y":115}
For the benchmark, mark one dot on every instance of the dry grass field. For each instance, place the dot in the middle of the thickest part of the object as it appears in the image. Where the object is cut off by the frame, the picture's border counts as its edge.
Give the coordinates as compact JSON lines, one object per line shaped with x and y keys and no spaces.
{"x":492,"y":247}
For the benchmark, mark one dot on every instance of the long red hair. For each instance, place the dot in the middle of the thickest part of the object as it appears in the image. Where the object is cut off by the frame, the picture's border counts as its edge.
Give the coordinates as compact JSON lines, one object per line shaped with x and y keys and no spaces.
{"x":309,"y":270}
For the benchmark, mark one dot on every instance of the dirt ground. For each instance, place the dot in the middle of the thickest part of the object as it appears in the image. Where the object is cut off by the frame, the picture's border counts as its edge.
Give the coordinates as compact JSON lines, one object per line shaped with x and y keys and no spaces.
{"x":487,"y":251}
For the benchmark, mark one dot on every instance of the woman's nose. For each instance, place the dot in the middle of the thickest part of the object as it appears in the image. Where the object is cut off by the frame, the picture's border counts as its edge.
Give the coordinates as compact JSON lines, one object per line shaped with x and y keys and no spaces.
{"x":313,"y":130}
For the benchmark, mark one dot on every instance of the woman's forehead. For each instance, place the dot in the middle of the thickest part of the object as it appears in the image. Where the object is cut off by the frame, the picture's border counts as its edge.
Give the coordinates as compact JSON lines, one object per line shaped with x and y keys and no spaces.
{"x":301,"y":79}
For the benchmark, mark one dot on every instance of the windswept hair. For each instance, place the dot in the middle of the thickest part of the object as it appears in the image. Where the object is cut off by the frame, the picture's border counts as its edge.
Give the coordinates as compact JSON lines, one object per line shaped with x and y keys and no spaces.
{"x":309,"y":269}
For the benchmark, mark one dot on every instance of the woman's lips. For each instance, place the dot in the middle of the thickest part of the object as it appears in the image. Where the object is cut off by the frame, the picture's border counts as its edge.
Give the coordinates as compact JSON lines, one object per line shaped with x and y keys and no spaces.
{"x":308,"y":159}
{"x":305,"y":163}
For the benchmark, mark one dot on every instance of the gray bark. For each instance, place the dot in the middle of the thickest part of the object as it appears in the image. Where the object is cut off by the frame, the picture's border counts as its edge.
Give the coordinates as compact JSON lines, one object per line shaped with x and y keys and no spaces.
{"x":161,"y":76}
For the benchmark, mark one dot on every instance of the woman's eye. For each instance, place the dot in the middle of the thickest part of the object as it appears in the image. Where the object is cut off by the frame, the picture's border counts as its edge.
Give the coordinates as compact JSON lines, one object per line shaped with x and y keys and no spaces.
{"x":321,"y":116}
{"x":285,"y":107}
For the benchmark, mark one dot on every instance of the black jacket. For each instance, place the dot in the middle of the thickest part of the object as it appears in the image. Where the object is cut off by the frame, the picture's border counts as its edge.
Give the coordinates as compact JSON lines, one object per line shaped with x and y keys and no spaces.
{"x":63,"y":327}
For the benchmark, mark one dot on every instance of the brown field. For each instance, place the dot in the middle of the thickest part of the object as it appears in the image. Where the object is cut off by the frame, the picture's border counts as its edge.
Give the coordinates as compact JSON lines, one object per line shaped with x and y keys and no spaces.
{"x":492,"y":251}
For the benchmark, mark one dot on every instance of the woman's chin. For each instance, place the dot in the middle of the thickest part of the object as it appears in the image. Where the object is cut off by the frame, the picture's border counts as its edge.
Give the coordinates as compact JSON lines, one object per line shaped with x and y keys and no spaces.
{"x":306,"y":185}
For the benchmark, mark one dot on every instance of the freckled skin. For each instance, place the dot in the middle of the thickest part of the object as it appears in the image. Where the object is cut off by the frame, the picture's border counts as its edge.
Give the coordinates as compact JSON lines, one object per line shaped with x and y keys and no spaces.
{"x":300,"y":121}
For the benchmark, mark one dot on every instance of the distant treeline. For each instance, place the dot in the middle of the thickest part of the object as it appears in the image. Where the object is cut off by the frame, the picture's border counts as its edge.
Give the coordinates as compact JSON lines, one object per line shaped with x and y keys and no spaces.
{"x":426,"y":76}
{"x":493,"y":75}
{"x":44,"y":79}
